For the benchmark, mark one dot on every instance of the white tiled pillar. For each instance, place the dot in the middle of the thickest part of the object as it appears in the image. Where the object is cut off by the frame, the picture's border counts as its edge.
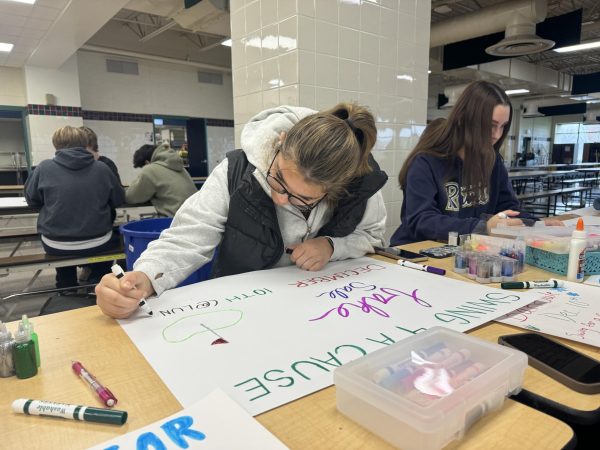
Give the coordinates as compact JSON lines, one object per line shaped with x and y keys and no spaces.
{"x":316,"y":53}
{"x":63,"y":84}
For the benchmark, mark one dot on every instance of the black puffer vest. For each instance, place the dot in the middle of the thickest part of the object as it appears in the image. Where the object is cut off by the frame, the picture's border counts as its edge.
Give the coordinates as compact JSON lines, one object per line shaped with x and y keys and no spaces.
{"x":252,"y":239}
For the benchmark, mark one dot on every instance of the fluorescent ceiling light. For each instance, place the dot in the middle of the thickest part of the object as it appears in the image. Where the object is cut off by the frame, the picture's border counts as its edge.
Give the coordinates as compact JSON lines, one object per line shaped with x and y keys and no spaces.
{"x":578,"y":47}
{"x":226,"y":42}
{"x":29,"y":2}
{"x":517,"y":91}
{"x":5,"y":47}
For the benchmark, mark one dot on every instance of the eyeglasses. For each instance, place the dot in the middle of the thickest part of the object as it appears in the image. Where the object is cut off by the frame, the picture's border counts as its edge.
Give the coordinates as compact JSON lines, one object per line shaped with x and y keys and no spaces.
{"x":277,"y":185}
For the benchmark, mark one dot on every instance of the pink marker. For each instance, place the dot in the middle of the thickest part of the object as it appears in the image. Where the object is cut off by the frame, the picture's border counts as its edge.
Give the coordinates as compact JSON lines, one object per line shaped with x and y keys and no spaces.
{"x":105,"y":395}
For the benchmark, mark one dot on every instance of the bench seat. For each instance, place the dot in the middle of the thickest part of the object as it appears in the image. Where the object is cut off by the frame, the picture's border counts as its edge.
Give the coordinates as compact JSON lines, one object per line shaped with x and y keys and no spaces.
{"x":42,"y":260}
{"x":553,"y":194}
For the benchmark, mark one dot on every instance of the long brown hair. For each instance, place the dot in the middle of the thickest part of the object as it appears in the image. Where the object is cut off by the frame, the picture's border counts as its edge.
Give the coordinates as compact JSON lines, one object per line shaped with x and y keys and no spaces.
{"x":332,"y":147}
{"x":468,"y":127}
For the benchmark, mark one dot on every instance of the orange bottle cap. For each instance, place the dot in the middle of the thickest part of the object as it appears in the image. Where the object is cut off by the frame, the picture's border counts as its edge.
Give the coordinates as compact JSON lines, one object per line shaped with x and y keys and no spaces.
{"x":579,"y":226}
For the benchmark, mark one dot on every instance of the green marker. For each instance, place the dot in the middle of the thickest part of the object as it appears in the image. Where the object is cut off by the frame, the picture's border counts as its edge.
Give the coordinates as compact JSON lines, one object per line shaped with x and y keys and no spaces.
{"x":75,"y":412}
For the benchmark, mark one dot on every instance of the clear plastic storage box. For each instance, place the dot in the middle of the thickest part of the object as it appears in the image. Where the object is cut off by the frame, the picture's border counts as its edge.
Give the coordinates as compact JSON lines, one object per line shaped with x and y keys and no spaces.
{"x":427,"y":390}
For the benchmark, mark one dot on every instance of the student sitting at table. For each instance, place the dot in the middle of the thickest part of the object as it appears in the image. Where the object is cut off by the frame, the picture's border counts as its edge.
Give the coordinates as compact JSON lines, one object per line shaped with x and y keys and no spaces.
{"x":303,"y":190}
{"x":455,"y":173}
{"x":75,"y":194}
{"x":164,"y":181}
{"x":92,"y":146}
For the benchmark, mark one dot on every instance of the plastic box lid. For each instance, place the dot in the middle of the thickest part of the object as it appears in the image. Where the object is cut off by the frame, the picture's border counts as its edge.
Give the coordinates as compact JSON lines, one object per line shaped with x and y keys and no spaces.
{"x":426,"y":390}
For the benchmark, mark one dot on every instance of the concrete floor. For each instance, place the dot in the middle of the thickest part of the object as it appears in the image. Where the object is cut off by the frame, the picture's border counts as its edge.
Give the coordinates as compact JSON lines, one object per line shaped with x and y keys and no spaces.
{"x":16,"y":282}
{"x":12,"y":309}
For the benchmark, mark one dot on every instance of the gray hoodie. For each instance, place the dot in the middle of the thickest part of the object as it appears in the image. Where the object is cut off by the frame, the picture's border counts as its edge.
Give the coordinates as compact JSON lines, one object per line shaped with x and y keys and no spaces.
{"x":75,"y":194}
{"x":164,"y":182}
{"x":198,"y":225}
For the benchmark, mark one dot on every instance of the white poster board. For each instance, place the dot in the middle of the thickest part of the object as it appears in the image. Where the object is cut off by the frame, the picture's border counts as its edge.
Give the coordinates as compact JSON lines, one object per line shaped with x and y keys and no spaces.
{"x":214,"y":422}
{"x":287,"y":330}
{"x":570,"y":312}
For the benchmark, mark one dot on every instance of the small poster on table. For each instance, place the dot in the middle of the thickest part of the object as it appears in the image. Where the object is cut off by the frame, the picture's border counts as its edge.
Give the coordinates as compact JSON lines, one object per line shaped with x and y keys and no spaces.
{"x":570,"y":312}
{"x":214,"y":422}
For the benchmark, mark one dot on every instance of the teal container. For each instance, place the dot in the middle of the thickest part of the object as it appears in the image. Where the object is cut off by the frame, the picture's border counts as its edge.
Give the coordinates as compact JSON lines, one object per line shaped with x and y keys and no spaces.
{"x":138,"y":234}
{"x":557,"y":262}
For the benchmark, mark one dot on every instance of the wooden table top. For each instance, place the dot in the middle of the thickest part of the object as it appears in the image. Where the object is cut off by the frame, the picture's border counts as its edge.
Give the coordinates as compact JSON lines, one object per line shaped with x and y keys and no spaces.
{"x":310,"y":422}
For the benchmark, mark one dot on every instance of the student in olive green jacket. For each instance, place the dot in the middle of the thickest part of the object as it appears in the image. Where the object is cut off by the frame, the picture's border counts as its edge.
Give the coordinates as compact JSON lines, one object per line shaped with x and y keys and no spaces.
{"x":163,"y":181}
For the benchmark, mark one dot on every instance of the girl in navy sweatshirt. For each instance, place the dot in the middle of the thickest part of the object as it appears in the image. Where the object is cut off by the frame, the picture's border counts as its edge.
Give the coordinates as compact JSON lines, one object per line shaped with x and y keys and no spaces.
{"x":455,"y":173}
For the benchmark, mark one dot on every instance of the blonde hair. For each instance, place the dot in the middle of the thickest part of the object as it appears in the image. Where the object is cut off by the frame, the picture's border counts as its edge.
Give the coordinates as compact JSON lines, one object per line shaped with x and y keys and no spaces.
{"x":332,"y":147}
{"x":92,"y":138}
{"x":69,"y":137}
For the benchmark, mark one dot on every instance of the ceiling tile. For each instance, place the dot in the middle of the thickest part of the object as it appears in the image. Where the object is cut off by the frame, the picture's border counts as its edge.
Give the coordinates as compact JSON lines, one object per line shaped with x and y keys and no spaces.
{"x":19,"y":9}
{"x":7,"y":30}
{"x":58,"y":4}
{"x":34,"y":33}
{"x":40,"y":24}
{"x":44,"y":12}
{"x":13,"y":20}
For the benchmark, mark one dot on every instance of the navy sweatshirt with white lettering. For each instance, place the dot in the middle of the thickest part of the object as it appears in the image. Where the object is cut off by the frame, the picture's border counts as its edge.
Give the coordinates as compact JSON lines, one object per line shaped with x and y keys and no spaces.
{"x":434,"y":203}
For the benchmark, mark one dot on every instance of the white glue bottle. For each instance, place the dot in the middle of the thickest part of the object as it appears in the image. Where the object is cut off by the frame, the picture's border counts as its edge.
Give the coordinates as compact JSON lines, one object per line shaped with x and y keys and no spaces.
{"x":577,"y":253}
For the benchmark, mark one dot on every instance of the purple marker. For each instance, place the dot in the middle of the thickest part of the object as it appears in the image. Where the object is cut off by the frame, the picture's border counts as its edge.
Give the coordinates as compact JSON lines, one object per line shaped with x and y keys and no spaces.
{"x":422,"y":267}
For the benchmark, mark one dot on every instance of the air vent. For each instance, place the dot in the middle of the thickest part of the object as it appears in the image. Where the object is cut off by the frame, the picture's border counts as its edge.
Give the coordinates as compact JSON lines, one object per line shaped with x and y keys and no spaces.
{"x":117,"y":66}
{"x":530,"y":109}
{"x":520,"y":45}
{"x":519,"y":39}
{"x":210,"y":77}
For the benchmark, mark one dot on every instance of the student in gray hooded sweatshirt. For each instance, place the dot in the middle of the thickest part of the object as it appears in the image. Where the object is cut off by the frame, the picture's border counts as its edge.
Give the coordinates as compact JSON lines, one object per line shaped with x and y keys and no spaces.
{"x":75,"y":194}
{"x":164,"y":181}
{"x":303,"y":181}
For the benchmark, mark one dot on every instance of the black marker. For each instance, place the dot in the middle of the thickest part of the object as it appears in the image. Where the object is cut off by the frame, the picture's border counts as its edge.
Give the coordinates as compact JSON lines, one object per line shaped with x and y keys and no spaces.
{"x":75,"y":412}
{"x":532,"y":284}
{"x":118,"y":272}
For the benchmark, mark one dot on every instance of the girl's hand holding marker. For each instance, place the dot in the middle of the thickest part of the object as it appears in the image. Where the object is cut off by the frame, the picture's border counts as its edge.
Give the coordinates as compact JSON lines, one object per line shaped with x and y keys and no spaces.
{"x":118,"y":272}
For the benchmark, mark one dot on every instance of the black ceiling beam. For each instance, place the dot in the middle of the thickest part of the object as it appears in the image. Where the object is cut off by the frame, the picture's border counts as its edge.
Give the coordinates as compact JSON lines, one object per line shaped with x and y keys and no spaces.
{"x":563,"y":110}
{"x":563,"y":30}
{"x":584,"y":84}
{"x":442,"y":100}
{"x":189,"y":3}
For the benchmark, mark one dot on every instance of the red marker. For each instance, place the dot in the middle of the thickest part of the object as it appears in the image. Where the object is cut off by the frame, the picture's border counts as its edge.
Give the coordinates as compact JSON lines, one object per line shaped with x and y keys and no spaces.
{"x":105,"y":395}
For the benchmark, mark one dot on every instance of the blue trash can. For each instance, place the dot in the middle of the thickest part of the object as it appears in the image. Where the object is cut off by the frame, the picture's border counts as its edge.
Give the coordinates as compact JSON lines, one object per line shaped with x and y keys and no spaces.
{"x":138,"y":234}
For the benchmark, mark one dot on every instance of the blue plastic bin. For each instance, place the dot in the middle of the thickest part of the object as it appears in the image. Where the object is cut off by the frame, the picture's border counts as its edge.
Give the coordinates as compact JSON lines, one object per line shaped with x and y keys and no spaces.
{"x":138,"y":234}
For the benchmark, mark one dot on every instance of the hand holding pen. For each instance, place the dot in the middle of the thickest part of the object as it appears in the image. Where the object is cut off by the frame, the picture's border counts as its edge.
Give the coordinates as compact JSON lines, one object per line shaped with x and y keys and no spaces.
{"x":118,"y":272}
{"x":103,"y":393}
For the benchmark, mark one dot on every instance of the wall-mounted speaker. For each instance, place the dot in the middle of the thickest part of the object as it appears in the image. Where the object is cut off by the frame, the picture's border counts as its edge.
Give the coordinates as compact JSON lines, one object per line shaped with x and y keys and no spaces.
{"x":50,"y":99}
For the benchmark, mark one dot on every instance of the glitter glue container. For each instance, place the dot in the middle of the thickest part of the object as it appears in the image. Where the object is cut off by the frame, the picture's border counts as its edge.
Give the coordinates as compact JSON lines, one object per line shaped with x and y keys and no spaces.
{"x":24,"y":354}
{"x":460,"y":261}
{"x":7,"y":344}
